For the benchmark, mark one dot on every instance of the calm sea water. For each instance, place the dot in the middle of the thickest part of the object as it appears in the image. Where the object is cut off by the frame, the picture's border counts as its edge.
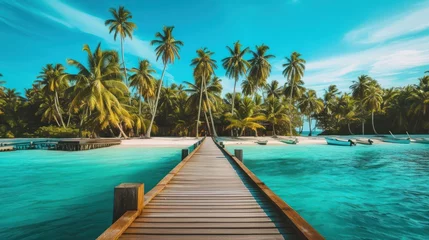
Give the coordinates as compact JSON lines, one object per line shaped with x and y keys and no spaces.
{"x":362,"y":192}
{"x":69,"y":195}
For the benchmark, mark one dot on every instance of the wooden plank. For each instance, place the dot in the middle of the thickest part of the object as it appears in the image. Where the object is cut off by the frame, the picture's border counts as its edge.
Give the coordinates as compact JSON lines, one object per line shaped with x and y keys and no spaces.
{"x":117,"y":228}
{"x":202,"y":231}
{"x":207,"y":214}
{"x":210,"y":225}
{"x":208,"y":237}
{"x":209,"y":220}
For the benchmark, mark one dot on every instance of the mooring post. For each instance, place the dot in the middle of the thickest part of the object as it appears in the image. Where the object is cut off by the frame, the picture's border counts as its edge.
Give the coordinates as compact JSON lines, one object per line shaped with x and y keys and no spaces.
{"x":239,"y":154}
{"x":185,"y":153}
{"x":127,"y":197}
{"x":221,"y":144}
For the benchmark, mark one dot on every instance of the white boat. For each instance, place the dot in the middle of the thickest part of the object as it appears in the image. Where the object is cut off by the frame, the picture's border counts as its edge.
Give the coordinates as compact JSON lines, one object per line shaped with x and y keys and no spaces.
{"x":290,"y":141}
{"x":421,"y":140}
{"x":262,"y":142}
{"x":394,"y":139}
{"x":339,"y":142}
{"x":365,"y":141}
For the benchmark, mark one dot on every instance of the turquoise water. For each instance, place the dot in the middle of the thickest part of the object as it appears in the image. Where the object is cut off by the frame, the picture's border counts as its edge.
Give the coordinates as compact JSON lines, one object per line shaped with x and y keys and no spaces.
{"x":362,"y":192}
{"x":69,"y":195}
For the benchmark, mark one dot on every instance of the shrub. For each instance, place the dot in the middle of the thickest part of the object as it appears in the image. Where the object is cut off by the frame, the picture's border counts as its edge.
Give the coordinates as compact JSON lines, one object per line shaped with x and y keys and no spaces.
{"x":58,"y":132}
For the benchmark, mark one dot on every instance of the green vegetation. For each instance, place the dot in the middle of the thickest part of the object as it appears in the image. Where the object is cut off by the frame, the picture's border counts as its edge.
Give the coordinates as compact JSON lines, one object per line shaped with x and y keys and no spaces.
{"x":105,"y":98}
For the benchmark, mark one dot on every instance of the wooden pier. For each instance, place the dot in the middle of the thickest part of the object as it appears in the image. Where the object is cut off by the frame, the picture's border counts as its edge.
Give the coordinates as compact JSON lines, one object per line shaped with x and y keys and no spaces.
{"x":209,"y":195}
{"x":6,"y":148}
{"x":85,"y":144}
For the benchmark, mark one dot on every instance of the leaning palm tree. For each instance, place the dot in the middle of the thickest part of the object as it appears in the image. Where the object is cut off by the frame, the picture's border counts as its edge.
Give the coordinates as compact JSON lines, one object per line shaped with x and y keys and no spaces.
{"x":204,"y":67}
{"x":121,"y":25}
{"x":373,"y":100}
{"x":293,"y":71}
{"x":235,"y":66}
{"x":98,"y":90}
{"x":275,"y":112}
{"x":310,"y":105}
{"x":168,"y":50}
{"x":245,"y":116}
{"x":260,"y":67}
{"x":359,"y":89}
{"x":54,"y":80}
{"x":143,"y":81}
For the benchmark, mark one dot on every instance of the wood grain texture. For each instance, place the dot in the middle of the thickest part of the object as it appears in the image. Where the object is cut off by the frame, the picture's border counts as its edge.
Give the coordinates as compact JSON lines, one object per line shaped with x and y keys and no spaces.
{"x":212,"y":195}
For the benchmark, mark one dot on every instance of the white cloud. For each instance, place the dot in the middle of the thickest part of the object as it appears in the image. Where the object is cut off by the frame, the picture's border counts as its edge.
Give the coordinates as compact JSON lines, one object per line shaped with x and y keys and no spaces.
{"x":383,"y":63}
{"x":412,"y":21}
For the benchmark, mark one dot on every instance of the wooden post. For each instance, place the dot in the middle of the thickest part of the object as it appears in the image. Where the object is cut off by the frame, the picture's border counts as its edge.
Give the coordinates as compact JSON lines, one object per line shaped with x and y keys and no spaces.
{"x":239,"y":154}
{"x":127,"y":197}
{"x":185,"y":153}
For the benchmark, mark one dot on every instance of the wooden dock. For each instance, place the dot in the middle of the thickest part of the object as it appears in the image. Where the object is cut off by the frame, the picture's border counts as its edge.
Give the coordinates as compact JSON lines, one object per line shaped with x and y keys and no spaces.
{"x":85,"y":144}
{"x":209,"y":195}
{"x":6,"y":148}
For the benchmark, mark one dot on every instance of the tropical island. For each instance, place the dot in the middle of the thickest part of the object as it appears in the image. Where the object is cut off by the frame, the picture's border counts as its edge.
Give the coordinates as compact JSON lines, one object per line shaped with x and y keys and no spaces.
{"x":229,"y":152}
{"x":103,"y":97}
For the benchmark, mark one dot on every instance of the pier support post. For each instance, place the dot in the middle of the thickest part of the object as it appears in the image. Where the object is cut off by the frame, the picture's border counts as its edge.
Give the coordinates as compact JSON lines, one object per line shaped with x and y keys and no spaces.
{"x":239,"y":154}
{"x":127,"y":197}
{"x":185,"y":153}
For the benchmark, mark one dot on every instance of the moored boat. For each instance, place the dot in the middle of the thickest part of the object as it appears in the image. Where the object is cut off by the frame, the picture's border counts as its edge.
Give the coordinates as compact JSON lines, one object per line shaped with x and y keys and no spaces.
{"x":262,"y":142}
{"x":290,"y":141}
{"x":394,"y":139}
{"x":421,"y":140}
{"x":365,"y":141}
{"x":340,"y":142}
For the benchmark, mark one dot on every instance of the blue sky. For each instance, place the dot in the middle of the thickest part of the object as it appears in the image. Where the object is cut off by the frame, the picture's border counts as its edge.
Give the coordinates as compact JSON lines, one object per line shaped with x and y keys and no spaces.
{"x":386,"y":39}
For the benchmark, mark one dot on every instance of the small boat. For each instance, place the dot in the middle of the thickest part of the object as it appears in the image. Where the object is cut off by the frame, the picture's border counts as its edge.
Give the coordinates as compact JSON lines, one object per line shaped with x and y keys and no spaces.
{"x":262,"y":142}
{"x":340,"y":142}
{"x":418,"y":140}
{"x":290,"y":141}
{"x":394,"y":139}
{"x":364,"y":141}
{"x":421,"y":140}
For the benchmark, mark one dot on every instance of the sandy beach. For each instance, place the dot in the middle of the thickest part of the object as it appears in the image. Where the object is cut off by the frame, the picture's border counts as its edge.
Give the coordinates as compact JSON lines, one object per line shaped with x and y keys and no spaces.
{"x":159,"y":142}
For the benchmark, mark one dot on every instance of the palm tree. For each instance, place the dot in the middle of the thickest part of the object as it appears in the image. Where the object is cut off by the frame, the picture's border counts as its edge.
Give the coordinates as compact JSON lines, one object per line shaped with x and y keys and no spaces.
{"x":373,"y":100}
{"x":245,"y":117}
{"x":260,"y":67}
{"x":235,"y":66}
{"x":293,"y":72}
{"x":98,"y":89}
{"x":168,"y":49}
{"x":359,"y":89}
{"x":121,"y":24}
{"x":143,"y":81}
{"x":273,"y":89}
{"x":248,"y":87}
{"x":54,"y":80}
{"x":275,"y":112}
{"x":419,"y":108}
{"x":310,"y":105}
{"x":204,"y":67}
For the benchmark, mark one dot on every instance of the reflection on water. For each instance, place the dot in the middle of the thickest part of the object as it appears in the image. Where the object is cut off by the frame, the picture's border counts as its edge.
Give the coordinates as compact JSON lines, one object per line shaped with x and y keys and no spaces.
{"x":69,"y":195}
{"x":362,"y":192}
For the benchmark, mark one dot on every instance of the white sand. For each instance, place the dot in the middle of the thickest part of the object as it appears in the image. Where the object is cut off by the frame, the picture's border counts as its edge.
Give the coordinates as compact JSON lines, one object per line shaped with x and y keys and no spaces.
{"x":160,"y":142}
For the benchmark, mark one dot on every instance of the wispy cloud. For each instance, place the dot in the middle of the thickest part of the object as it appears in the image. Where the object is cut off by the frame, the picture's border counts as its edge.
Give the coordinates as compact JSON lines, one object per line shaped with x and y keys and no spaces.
{"x":412,"y":21}
{"x":68,"y":16}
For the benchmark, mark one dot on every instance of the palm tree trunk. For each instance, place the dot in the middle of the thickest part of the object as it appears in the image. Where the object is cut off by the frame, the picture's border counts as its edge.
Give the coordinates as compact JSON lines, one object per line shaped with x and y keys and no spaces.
{"x":149,"y":129}
{"x":373,"y":126}
{"x":56,"y":120}
{"x":140,"y":103}
{"x":210,"y":110}
{"x":58,"y":109}
{"x":233,"y":101}
{"x":207,"y":122}
{"x":68,"y":120}
{"x":348,"y":125}
{"x":290,"y":102}
{"x":123,"y":61}
{"x":363,"y":127}
{"x":242,"y":131}
{"x":309,"y":125}
{"x":199,"y":106}
{"x":274,"y":129}
{"x":122,"y":131}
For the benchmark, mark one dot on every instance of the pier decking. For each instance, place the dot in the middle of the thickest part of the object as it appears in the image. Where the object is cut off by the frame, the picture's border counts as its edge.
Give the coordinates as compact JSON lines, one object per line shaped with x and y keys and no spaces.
{"x":211,"y":195}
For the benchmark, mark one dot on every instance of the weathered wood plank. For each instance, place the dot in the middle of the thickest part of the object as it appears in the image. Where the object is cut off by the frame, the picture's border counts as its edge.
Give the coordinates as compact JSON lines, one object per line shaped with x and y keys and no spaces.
{"x":208,"y":237}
